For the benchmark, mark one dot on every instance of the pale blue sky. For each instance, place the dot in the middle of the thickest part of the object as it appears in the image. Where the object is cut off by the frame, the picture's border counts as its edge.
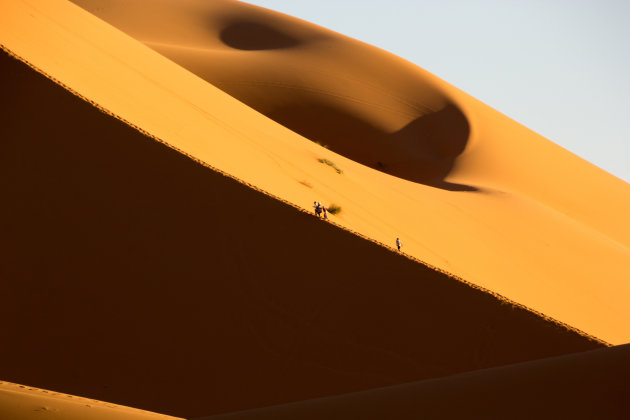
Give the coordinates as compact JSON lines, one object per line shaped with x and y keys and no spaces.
{"x":560,"y":67}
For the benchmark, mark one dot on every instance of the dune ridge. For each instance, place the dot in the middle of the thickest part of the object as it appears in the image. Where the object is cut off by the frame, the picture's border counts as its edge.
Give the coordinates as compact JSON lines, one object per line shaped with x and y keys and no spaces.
{"x":546,"y":203}
{"x":137,"y":271}
{"x":501,"y":298}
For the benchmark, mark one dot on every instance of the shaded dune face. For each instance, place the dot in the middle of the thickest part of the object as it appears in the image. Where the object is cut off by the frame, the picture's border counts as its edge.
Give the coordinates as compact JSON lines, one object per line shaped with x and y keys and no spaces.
{"x":588,"y":385}
{"x":357,"y":100}
{"x":416,"y":152}
{"x":132,"y":274}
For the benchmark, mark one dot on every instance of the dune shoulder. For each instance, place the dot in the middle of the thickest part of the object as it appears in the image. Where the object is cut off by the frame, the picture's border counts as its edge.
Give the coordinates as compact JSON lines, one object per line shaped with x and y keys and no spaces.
{"x":21,"y":402}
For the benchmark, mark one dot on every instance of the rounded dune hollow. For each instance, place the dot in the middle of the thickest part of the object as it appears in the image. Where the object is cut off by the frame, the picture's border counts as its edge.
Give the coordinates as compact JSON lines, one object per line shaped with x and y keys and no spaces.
{"x":422,"y":151}
{"x":390,"y":115}
{"x":250,"y":36}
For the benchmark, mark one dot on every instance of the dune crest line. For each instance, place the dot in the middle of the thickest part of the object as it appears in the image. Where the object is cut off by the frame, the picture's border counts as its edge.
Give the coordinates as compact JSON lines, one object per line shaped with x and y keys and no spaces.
{"x":419,"y":155}
{"x":144,"y":132}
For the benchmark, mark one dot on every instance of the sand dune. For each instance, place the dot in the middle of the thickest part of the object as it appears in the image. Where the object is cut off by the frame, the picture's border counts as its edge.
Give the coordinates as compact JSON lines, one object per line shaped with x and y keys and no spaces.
{"x":19,"y":402}
{"x":590,"y":385}
{"x":536,"y":207}
{"x":192,"y":279}
{"x":141,"y":277}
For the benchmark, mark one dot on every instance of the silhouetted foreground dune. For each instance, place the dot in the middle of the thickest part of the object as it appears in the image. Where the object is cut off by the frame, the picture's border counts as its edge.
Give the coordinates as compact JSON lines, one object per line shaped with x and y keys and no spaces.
{"x":138,"y":276}
{"x":590,"y":385}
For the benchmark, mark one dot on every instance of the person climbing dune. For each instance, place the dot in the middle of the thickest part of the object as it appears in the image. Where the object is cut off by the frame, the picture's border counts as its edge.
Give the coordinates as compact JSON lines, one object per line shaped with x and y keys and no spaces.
{"x":318,"y":208}
{"x":398,"y":243}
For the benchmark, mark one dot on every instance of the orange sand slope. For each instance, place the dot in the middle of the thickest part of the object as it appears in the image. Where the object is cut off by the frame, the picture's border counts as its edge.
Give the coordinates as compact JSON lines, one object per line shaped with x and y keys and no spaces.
{"x":393,"y":116}
{"x":366,"y":104}
{"x":19,"y":402}
{"x":141,"y":277}
{"x":591,"y":385}
{"x":543,"y":227}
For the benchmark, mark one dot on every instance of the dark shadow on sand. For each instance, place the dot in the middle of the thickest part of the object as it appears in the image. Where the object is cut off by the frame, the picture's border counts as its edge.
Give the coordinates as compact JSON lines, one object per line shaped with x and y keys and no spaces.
{"x":252,"y":36}
{"x":423,"y":151}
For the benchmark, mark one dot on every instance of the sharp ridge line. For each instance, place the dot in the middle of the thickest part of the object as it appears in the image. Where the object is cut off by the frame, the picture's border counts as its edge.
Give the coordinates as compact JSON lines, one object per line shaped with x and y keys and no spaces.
{"x":498,"y":296}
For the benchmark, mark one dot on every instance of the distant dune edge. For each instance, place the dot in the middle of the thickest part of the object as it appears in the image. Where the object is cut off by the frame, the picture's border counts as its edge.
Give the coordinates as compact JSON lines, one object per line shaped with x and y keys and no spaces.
{"x":136,"y":270}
